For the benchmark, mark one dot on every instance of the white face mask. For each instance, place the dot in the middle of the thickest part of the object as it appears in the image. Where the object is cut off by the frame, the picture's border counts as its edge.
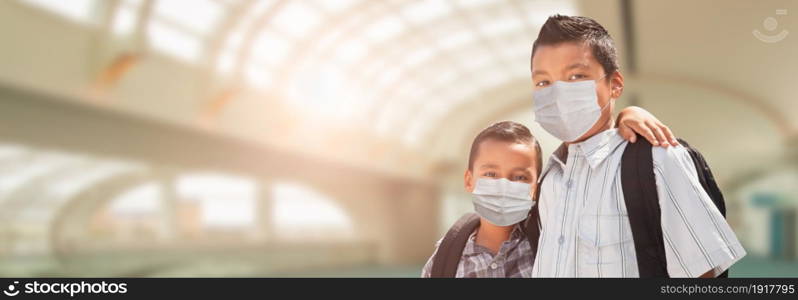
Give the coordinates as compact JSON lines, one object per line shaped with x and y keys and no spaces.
{"x":567,"y":110}
{"x":501,"y":201}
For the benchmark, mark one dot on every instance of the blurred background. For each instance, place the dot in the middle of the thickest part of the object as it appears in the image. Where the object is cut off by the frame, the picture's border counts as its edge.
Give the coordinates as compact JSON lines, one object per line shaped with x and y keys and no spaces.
{"x":330,"y":137}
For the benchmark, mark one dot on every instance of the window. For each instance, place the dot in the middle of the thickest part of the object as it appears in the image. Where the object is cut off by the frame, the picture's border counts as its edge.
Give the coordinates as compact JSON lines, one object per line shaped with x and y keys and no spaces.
{"x":258,"y":76}
{"x":301,"y":213}
{"x":140,"y":200}
{"x":384,"y":29}
{"x":171,"y":40}
{"x":322,"y":87}
{"x":196,"y":16}
{"x":126,"y":16}
{"x":296,"y":19}
{"x":224,"y":200}
{"x":80,"y":11}
{"x":179,"y":28}
{"x":270,"y":48}
{"x":420,"y":12}
{"x":233,"y":42}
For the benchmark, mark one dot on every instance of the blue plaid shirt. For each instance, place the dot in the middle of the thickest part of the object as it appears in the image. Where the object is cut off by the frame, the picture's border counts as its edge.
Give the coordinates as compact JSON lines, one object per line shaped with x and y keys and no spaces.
{"x":514,"y":258}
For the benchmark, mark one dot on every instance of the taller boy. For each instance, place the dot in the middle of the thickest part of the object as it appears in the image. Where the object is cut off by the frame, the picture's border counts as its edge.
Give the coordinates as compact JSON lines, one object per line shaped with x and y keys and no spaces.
{"x":585,"y":229}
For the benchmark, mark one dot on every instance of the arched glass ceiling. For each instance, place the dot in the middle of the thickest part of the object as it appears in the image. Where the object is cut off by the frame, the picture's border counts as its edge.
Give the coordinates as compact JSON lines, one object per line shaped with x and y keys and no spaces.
{"x":397,"y":66}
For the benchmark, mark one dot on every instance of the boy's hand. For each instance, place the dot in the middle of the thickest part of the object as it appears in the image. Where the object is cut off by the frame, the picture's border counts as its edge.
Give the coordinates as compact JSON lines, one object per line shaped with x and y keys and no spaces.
{"x":634,"y":119}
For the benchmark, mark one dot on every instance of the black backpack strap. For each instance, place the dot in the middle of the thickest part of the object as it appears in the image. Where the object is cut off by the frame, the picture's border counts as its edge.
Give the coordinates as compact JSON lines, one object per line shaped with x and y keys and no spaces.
{"x":447,"y":257}
{"x":642,"y":205}
{"x":705,"y":177}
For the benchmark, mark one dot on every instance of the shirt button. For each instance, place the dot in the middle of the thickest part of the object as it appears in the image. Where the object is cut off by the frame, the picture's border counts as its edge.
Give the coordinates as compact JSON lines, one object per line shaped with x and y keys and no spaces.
{"x":561,"y":240}
{"x":569,"y":183}
{"x":494,"y":266}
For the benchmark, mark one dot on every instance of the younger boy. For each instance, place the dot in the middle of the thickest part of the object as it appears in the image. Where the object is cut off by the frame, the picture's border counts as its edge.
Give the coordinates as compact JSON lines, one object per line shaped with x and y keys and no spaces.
{"x":504,"y":157}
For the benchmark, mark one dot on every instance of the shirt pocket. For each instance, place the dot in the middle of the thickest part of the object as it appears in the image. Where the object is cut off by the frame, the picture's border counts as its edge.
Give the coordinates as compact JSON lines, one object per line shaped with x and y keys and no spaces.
{"x":604,"y":239}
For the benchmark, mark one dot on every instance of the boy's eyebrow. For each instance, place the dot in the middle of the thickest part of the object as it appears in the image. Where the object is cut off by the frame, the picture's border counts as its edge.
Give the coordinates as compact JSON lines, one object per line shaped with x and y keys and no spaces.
{"x":579,"y":65}
{"x":489,"y":165}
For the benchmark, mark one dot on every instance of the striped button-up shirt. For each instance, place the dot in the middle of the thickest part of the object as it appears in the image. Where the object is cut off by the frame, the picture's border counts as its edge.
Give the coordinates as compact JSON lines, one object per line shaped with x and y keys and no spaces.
{"x":514,"y":258}
{"x":585,"y":226}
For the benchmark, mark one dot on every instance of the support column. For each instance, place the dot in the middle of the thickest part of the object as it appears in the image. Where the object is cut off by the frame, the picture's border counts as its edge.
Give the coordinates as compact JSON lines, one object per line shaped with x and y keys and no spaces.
{"x":170,"y":230}
{"x":791,"y":149}
{"x":264,"y":212}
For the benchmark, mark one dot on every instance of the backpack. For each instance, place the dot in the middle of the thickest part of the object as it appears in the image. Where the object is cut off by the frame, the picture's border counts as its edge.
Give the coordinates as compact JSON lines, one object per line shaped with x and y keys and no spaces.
{"x":642,"y":205}
{"x":447,"y":258}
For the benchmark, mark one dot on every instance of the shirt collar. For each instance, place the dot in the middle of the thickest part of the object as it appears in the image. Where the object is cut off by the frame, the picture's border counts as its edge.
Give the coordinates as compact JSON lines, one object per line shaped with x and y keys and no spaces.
{"x":595,"y":149}
{"x":473,"y":248}
{"x":516,"y":233}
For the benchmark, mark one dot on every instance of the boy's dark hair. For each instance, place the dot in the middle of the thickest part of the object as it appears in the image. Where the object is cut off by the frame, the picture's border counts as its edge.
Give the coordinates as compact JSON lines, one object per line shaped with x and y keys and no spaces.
{"x":507,"y":131}
{"x":561,"y":29}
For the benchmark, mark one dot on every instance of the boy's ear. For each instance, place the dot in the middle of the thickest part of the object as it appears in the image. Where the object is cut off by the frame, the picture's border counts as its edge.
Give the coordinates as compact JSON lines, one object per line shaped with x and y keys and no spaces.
{"x":616,"y":84}
{"x":467,"y":183}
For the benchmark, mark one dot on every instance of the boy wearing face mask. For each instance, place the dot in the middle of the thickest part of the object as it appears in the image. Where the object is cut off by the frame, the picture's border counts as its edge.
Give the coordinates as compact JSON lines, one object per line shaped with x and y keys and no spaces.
{"x":503,"y":167}
{"x":583,"y":221}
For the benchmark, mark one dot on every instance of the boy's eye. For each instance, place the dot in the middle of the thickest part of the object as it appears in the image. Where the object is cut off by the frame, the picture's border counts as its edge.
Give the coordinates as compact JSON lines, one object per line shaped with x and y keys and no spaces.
{"x":576,"y":77}
{"x":542,"y":83}
{"x":489,"y":174}
{"x":519,"y":178}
